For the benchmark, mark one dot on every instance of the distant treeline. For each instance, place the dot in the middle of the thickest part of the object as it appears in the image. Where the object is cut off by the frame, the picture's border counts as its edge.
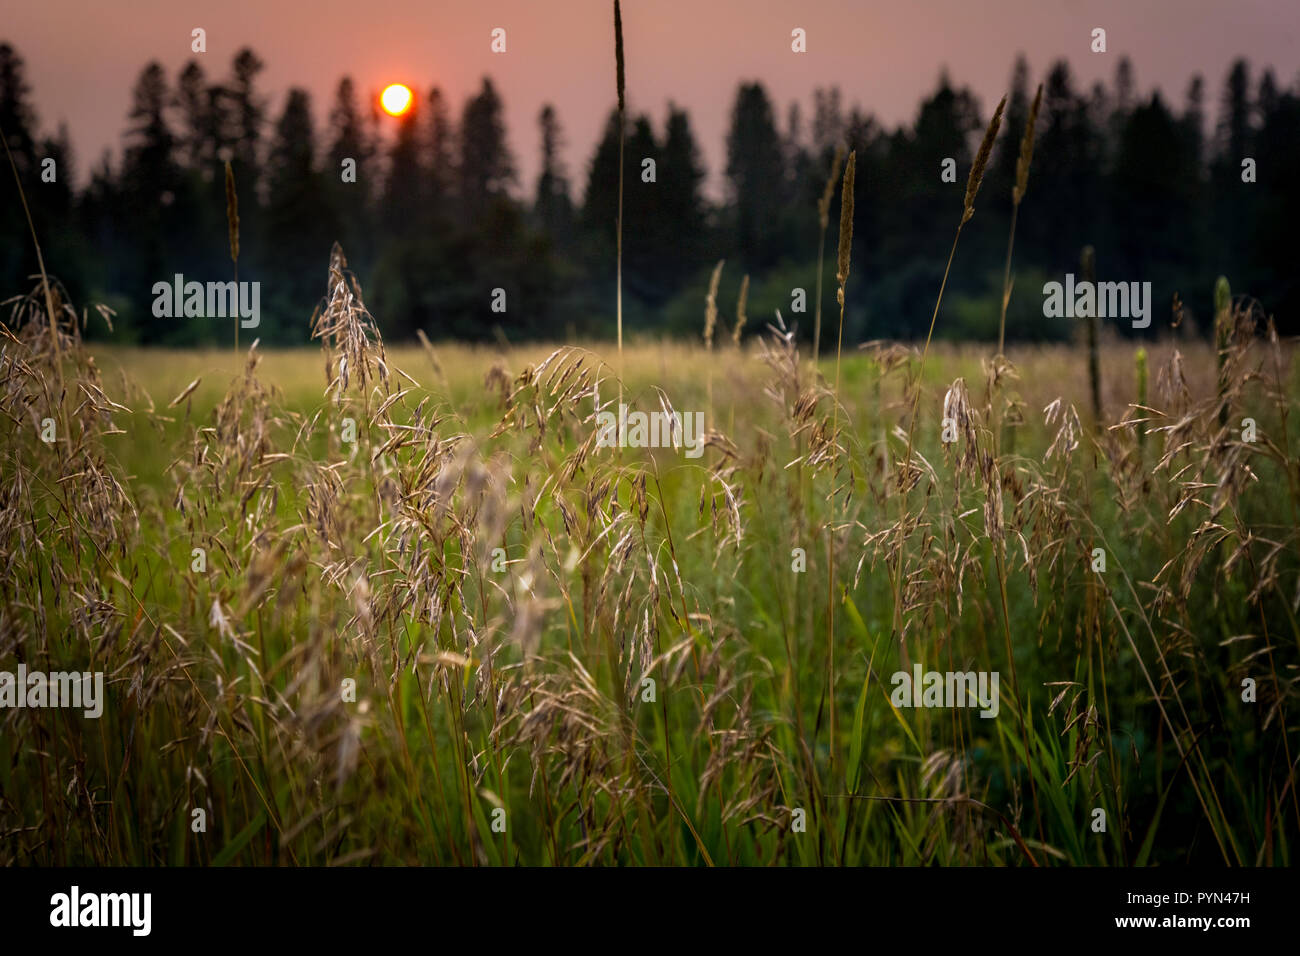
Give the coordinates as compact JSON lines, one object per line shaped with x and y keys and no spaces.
{"x":437,"y":219}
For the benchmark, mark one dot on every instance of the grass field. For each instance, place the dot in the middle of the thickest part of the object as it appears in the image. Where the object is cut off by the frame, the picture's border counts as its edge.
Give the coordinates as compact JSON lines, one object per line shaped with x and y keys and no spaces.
{"x":315,"y":654}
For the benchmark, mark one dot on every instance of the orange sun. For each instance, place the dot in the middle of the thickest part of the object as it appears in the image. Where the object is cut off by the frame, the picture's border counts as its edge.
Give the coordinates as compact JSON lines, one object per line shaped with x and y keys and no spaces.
{"x":396,"y":99}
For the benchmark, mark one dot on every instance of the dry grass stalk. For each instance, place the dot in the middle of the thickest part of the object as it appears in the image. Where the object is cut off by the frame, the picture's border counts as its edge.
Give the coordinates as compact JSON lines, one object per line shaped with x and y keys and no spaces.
{"x":711,"y":305}
{"x":1017,"y":194}
{"x":968,"y":210}
{"x":846,"y":230}
{"x":981,"y":163}
{"x":740,"y":311}
{"x":823,"y":220}
{"x":711,"y":324}
{"x":50,"y":311}
{"x":620,"y":83}
{"x":1088,"y":268}
{"x":842,"y":277}
{"x":1140,"y":358}
{"x":1222,"y":336}
{"x":618,"y":53}
{"x":1026,"y":150}
{"x":232,"y":229}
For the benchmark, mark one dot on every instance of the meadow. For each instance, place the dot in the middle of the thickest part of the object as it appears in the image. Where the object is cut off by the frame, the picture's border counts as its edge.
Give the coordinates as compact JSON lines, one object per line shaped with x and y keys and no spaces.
{"x":468,"y":635}
{"x":370,"y":606}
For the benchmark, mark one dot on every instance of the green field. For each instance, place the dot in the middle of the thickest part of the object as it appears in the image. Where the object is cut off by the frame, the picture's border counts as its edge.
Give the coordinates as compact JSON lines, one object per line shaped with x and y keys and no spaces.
{"x":649,"y":671}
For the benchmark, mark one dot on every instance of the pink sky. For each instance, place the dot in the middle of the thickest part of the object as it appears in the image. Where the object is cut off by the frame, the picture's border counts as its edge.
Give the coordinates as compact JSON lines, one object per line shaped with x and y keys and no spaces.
{"x":83,"y":57}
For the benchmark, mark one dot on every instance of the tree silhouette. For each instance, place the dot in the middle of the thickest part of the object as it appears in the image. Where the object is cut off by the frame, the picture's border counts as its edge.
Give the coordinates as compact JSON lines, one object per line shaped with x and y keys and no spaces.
{"x":755,"y":175}
{"x":434,"y":221}
{"x":553,"y":207}
{"x":18,"y":123}
{"x":487,"y":169}
{"x":297,"y":227}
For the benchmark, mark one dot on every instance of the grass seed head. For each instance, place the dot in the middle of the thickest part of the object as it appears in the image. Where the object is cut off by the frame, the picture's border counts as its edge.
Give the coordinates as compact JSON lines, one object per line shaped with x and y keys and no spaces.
{"x":846,"y":222}
{"x":981,"y":162}
{"x":711,"y":304}
{"x":1026,"y":150}
{"x":740,"y":310}
{"x":232,"y":213}
{"x":618,"y":54}
{"x":824,"y":204}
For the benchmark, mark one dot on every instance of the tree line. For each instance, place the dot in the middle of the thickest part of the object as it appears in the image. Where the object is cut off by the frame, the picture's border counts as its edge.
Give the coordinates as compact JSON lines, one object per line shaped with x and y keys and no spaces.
{"x":437,"y":218}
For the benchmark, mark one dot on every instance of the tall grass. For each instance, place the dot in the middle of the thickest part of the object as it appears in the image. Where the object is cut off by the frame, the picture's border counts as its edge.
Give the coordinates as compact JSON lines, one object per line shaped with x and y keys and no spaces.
{"x":619,"y":82}
{"x":1088,"y":269}
{"x":823,"y":220}
{"x":844,"y":257}
{"x":375,"y":564}
{"x":47,"y":293}
{"x":905,"y":472}
{"x":232,"y":229}
{"x":1023,"y":161}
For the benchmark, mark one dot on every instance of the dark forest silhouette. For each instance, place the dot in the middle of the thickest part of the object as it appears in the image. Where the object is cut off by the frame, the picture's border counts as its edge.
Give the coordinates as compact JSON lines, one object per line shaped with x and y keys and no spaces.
{"x":435,"y":221}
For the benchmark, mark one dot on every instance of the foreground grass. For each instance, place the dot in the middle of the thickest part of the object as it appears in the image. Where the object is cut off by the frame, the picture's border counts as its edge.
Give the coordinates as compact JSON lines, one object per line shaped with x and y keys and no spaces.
{"x":640,"y":675}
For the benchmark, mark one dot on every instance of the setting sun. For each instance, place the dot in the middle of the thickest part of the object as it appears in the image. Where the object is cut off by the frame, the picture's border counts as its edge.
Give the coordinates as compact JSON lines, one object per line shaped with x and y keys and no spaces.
{"x":396,"y":99}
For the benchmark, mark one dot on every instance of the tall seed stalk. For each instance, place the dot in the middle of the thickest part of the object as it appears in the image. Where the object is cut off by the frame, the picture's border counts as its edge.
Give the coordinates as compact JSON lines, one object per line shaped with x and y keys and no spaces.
{"x":741,"y":318}
{"x":968,"y":210}
{"x":232,"y":227}
{"x":823,"y":219}
{"x":618,"y":64}
{"x":710,"y":325}
{"x":1222,"y":339}
{"x":842,"y":277}
{"x":1017,"y":194}
{"x":1088,"y":266}
{"x":741,"y":302}
{"x":40,"y":261}
{"x":1140,"y":357}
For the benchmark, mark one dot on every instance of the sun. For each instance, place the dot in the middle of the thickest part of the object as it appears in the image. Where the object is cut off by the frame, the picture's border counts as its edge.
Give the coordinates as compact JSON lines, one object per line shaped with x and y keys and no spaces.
{"x":396,"y":99}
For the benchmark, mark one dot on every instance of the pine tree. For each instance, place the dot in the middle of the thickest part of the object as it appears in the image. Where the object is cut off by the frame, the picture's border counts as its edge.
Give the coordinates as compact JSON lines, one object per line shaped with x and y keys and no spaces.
{"x":150,"y":178}
{"x":755,"y":173}
{"x":18,"y":123}
{"x":553,"y":207}
{"x":486,"y":168}
{"x":298,"y":220}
